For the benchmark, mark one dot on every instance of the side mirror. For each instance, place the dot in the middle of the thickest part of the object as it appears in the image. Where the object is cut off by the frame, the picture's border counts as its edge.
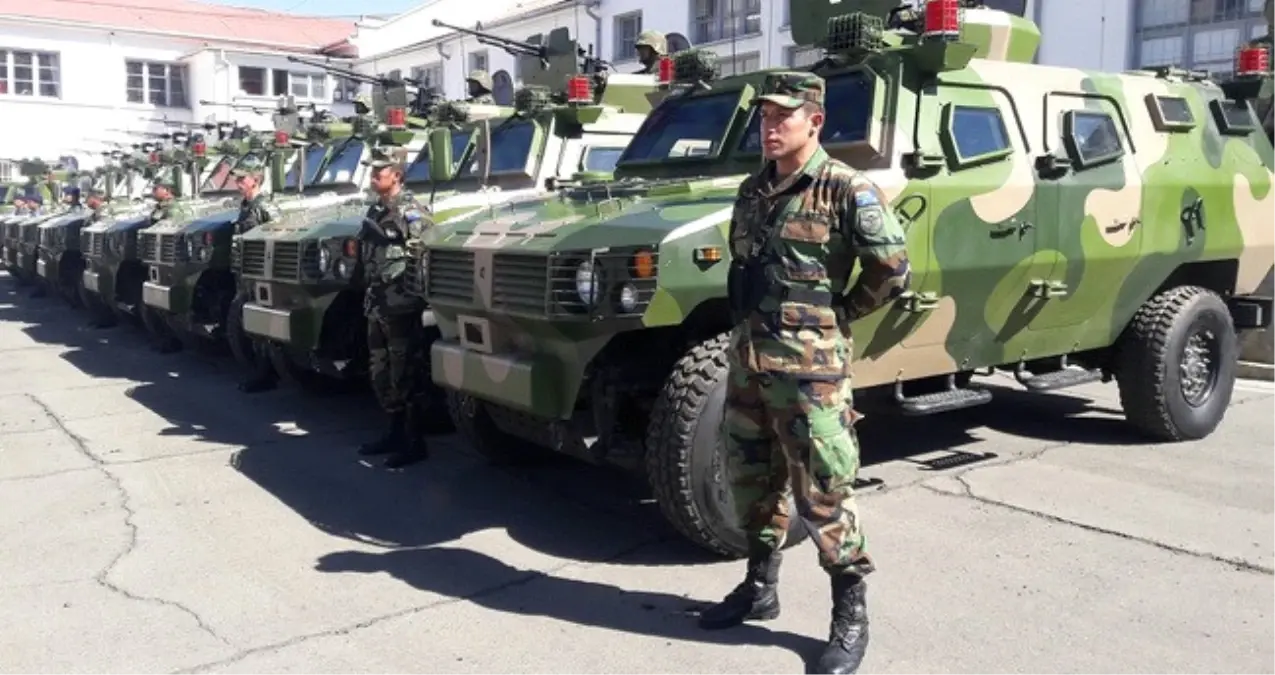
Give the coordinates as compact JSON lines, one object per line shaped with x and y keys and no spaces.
{"x":440,"y":155}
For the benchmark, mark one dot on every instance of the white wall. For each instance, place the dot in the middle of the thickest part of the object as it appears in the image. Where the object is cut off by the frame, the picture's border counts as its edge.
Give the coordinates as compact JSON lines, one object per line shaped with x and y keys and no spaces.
{"x":1092,"y":34}
{"x":93,"y":90}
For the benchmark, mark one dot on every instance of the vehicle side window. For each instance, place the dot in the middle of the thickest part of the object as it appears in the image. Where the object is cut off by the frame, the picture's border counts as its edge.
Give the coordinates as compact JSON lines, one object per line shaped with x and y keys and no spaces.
{"x":977,"y":134}
{"x":1170,"y":113}
{"x":1091,"y":137}
{"x":1233,"y":118}
{"x":600,"y":159}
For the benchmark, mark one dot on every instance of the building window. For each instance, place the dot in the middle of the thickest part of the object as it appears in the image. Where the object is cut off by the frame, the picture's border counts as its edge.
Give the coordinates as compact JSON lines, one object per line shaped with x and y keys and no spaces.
{"x":25,"y":73}
{"x":740,"y":63}
{"x":626,"y":29}
{"x":313,"y":86}
{"x":1165,"y":51}
{"x":1164,"y":12}
{"x":252,"y":81}
{"x":714,"y":20}
{"x":802,"y":57}
{"x":345,"y":89}
{"x":431,"y":75}
{"x":477,"y":60}
{"x":6,"y":171}
{"x":161,"y":84}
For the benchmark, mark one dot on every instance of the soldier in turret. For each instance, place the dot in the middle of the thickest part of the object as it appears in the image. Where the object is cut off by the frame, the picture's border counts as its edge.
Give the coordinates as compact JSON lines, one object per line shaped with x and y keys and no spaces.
{"x":650,"y":46}
{"x":480,"y":87}
{"x":162,"y":192}
{"x":254,"y":211}
{"x":71,"y":198}
{"x":96,"y":202}
{"x":799,"y":226}
{"x":392,"y":314}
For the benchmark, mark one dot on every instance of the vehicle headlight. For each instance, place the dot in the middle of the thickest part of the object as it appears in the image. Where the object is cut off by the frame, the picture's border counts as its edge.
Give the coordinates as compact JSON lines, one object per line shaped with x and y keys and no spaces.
{"x":325,"y":259}
{"x":344,"y":269}
{"x":191,"y":252}
{"x":628,"y":297}
{"x":587,"y":282}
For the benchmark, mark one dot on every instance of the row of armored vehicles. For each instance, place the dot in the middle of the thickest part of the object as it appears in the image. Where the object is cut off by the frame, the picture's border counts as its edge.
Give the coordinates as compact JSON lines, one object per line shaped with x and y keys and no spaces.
{"x":1064,"y":226}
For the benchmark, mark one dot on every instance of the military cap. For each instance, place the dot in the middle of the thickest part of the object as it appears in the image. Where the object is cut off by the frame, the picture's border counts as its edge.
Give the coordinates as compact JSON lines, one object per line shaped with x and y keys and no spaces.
{"x":248,"y":166}
{"x":383,"y":157}
{"x":653,"y":39}
{"x":34,"y":198}
{"x":791,"y":89}
{"x":71,"y":190}
{"x":481,"y":77}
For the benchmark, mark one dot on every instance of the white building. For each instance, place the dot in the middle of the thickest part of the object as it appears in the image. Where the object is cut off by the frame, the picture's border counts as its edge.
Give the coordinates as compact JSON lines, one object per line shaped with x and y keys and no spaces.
{"x":71,"y":70}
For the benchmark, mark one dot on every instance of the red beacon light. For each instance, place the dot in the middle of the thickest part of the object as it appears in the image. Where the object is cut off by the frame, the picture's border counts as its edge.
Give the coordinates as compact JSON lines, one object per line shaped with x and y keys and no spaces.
{"x":942,"y":20}
{"x":579,"y":90}
{"x":666,"y":70}
{"x":154,"y":158}
{"x":396,"y":117}
{"x":1252,"y":60}
{"x":199,"y":148}
{"x":280,"y":138}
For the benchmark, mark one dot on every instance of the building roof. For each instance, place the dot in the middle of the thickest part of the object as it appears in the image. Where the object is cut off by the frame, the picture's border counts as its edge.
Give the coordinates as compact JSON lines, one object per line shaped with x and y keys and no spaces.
{"x":191,"y":19}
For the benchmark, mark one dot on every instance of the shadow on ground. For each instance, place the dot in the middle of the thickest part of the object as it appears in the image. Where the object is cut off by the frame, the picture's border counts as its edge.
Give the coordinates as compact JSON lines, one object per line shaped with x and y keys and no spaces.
{"x":300,"y":449}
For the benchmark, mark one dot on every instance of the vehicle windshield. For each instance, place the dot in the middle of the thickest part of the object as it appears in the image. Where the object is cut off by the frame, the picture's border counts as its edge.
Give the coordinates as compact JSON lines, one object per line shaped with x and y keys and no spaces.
{"x":510,"y":147}
{"x":419,"y":170}
{"x":219,"y":178}
{"x":313,"y":163}
{"x":342,"y":166}
{"x":684,"y":127}
{"x":849,"y":96}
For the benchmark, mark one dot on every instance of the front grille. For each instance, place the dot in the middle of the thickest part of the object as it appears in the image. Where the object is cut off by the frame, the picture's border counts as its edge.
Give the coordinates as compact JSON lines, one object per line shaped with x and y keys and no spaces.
{"x":449,"y":276}
{"x":167,"y":248}
{"x":147,"y":246}
{"x":48,"y":237}
{"x":96,"y":243}
{"x":287,"y":260}
{"x":30,"y":234}
{"x":253,"y":258}
{"x":11,"y":231}
{"x":236,"y":257}
{"x":520,"y":283}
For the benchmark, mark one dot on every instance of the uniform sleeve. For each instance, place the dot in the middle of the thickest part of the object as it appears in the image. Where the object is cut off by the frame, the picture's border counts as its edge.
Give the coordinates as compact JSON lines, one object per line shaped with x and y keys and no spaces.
{"x":410,"y":221}
{"x":879,"y":243}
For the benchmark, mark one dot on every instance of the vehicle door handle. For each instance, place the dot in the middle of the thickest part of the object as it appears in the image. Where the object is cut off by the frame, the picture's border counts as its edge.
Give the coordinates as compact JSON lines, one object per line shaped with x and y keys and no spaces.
{"x":919,"y":302}
{"x":1044,"y":288}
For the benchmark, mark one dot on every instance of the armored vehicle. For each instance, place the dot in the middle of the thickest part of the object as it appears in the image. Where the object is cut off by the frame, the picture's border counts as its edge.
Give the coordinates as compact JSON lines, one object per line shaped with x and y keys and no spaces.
{"x":114,"y":272}
{"x":59,"y":263}
{"x":191,"y":285}
{"x":1065,"y":226}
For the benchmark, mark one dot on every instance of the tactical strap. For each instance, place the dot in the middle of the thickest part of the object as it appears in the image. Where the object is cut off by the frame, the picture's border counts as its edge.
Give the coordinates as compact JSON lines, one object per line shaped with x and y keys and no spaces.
{"x":806,"y":296}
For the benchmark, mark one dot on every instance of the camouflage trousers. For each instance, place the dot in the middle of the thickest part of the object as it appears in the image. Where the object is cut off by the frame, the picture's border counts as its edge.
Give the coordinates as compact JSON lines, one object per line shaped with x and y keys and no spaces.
{"x":391,"y":339}
{"x":792,"y":437}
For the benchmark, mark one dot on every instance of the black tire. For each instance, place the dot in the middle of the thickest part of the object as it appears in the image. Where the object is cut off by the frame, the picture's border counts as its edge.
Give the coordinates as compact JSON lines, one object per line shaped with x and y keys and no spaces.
{"x":99,"y":313}
{"x":473,"y":422}
{"x":156,"y":324}
{"x":308,"y":380}
{"x":684,"y":453}
{"x":1151,"y":355}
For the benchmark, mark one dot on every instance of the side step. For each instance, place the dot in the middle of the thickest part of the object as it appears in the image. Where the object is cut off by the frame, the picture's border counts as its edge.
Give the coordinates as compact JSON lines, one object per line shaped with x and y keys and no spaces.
{"x":954,"y":398}
{"x":1065,"y":376}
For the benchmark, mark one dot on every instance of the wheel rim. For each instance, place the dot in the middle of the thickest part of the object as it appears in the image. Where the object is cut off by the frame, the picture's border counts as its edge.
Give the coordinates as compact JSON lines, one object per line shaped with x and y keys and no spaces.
{"x":1198,"y":367}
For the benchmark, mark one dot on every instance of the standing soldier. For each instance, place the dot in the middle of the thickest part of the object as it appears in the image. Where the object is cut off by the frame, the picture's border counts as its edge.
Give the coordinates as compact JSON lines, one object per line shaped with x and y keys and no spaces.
{"x":392,"y":314}
{"x":253,"y":211}
{"x":650,"y":46}
{"x":798,"y":227}
{"x":479,"y":84}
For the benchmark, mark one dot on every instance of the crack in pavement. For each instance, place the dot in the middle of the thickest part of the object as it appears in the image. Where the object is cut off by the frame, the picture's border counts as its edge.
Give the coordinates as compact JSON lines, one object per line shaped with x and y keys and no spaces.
{"x":522,"y":580}
{"x":968,"y":493}
{"x":103,"y":577}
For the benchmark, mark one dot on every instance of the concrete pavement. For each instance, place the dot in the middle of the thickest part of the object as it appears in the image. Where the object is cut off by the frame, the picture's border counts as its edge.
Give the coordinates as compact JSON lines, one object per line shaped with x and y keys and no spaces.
{"x":152,"y":518}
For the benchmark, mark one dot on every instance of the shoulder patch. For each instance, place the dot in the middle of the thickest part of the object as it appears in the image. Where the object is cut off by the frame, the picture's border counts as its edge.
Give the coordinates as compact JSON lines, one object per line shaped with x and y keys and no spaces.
{"x":412,"y":214}
{"x":870,"y":220}
{"x":865,"y":198}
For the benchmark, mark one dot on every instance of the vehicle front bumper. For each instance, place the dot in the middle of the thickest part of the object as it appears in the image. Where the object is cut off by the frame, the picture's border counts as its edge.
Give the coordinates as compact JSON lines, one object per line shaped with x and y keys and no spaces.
{"x":167,"y":288}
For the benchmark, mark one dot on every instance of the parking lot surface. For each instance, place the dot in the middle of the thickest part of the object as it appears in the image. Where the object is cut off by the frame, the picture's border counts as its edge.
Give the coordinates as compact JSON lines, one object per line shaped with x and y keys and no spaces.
{"x":153,"y":518}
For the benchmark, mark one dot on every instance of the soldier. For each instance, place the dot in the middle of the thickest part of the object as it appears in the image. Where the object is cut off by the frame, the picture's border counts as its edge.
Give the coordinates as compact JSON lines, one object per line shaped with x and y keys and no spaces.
{"x":21,"y":205}
{"x":650,"y":46}
{"x":96,"y":202}
{"x":71,"y":197}
{"x":253,"y":211}
{"x":479,"y":84}
{"x":799,"y":225}
{"x":162,"y":339}
{"x":392,"y":314}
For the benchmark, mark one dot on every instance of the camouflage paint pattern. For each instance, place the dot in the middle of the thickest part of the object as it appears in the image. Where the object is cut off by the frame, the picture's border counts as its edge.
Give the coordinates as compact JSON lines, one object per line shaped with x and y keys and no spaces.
{"x":1009,"y":262}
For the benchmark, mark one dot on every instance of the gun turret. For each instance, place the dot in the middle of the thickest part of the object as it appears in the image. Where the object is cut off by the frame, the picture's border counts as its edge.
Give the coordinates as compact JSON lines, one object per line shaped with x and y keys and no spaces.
{"x":543,"y":60}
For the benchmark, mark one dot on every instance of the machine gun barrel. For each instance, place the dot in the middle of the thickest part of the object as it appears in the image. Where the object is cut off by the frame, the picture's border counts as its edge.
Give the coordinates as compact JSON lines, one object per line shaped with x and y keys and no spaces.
{"x":238,"y":106}
{"x":512,"y":46}
{"x":361,"y":78}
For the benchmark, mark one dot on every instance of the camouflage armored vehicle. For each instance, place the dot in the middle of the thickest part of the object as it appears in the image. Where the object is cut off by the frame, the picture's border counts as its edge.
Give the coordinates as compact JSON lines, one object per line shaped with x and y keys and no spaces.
{"x":1065,"y":226}
{"x":21,"y":231}
{"x":114,"y":272}
{"x":191,"y":285}
{"x":60,"y":265}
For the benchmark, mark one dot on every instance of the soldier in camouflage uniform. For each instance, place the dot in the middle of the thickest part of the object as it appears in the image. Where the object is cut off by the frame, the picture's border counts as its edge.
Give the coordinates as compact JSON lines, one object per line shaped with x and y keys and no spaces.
{"x":163,"y":340}
{"x":253,"y":211}
{"x":392,"y":315}
{"x":71,"y":197}
{"x":798,"y":227}
{"x":650,"y":46}
{"x":96,"y":202}
{"x":480,"y":87}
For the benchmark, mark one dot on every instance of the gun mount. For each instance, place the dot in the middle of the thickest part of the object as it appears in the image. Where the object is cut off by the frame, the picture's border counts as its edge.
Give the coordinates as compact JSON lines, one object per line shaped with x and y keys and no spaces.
{"x":544,"y":60}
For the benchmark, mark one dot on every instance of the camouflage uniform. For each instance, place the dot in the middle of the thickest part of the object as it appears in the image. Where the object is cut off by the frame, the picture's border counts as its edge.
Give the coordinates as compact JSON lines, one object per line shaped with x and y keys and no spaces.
{"x":658,"y":45}
{"x":480,"y":87}
{"x":252,"y":213}
{"x":789,"y":423}
{"x":392,"y":318}
{"x":164,"y":209}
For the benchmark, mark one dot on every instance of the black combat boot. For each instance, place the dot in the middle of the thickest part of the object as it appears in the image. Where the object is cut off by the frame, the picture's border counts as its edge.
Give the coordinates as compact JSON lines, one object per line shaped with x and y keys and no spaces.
{"x":396,"y":436}
{"x":756,"y":599}
{"x":848,"y":639}
{"x":413,"y":449}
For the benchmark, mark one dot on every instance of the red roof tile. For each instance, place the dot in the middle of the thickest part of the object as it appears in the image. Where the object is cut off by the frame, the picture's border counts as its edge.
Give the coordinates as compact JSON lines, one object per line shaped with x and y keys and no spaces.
{"x":208,"y":22}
